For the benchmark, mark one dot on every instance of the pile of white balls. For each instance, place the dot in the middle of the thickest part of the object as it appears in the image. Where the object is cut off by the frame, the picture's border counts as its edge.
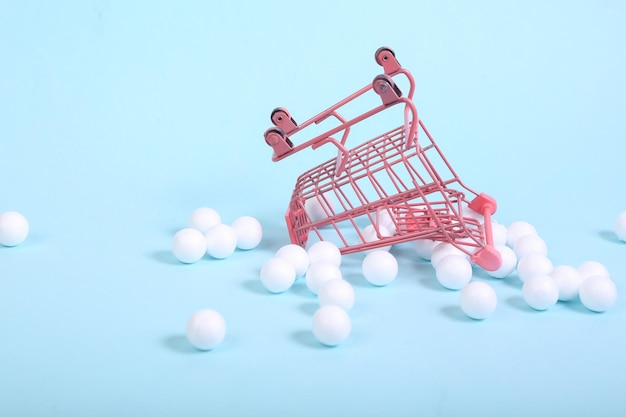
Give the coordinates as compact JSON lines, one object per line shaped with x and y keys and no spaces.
{"x":206,"y":234}
{"x":13,"y":228}
{"x":524,"y":251}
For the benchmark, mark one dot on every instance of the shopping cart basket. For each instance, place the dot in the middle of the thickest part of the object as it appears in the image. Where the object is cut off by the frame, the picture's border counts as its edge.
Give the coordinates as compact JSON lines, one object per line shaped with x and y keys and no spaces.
{"x":393,"y":188}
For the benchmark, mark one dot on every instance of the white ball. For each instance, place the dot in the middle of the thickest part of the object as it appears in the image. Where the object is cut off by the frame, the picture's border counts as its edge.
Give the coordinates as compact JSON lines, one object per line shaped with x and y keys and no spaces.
{"x":277,"y":275}
{"x":533,"y":264}
{"x":371,"y":235}
{"x":568,"y":279}
{"x":331,"y":325}
{"x":592,"y":268}
{"x":517,"y":230}
{"x":296,"y":255}
{"x":478,"y":300}
{"x":13,"y":228}
{"x":386,"y":219}
{"x":598,"y":293}
{"x":529,"y":244}
{"x":499,"y":233}
{"x":454,"y":272}
{"x":337,"y":292}
{"x":619,"y":226}
{"x":379,"y":267}
{"x":206,"y":329}
{"x":319,"y":208}
{"x":324,"y":251}
{"x":443,"y":249}
{"x":221,"y":241}
{"x":424,"y":248}
{"x":540,"y":292}
{"x":249,"y":232}
{"x":188,"y":245}
{"x":320,"y":272}
{"x":204,"y":218}
{"x":508,"y":265}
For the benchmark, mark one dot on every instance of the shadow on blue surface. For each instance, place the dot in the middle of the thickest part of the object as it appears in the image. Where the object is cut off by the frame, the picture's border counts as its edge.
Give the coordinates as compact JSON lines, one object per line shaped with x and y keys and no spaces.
{"x":455,"y":313}
{"x":309,"y":308}
{"x":306,"y":338}
{"x":165,"y":257}
{"x":255,"y":286}
{"x":610,"y":236}
{"x":578,"y":307}
{"x":178,"y":343}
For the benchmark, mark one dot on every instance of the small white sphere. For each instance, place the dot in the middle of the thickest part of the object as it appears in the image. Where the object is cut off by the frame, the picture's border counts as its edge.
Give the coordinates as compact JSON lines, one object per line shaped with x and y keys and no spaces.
{"x":277,"y":275}
{"x":454,"y":272}
{"x":619,"y":227}
{"x":188,"y":245}
{"x":443,"y":249}
{"x":371,"y":235}
{"x":13,"y":228}
{"x":319,"y":208}
{"x":533,"y":264}
{"x":598,"y":293}
{"x":385,"y":218}
{"x":592,"y":268}
{"x":337,"y":292}
{"x":320,"y":272}
{"x":424,"y":248}
{"x":324,"y":251}
{"x":379,"y":267}
{"x":529,"y":244}
{"x":471,"y":213}
{"x":499,"y":233}
{"x":221,"y":241}
{"x":296,"y":255}
{"x":206,"y":329}
{"x":204,"y":218}
{"x":568,"y":279}
{"x":249,"y":232}
{"x":509,"y":262}
{"x":517,"y":230}
{"x":478,"y":300}
{"x":331,"y":325}
{"x":540,"y":292}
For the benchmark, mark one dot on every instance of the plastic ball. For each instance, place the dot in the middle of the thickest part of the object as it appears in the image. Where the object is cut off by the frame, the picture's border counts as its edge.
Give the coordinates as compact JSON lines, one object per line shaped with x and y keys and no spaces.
{"x":540,"y":292}
{"x":443,"y":249}
{"x":319,"y":208}
{"x":221,"y":241}
{"x":337,"y":292}
{"x":331,"y":325}
{"x":204,"y":218}
{"x":371,"y":235}
{"x":324,"y":251}
{"x":619,"y":227}
{"x":499,"y":232}
{"x":592,"y":268}
{"x":517,"y":230}
{"x":249,"y":232}
{"x":530,"y":244}
{"x":424,"y":248}
{"x":568,"y":279}
{"x":598,"y":293}
{"x":296,"y":255}
{"x":509,"y":262}
{"x":454,"y":272}
{"x":206,"y":329}
{"x":386,"y":219}
{"x":13,"y":228}
{"x":533,"y":264}
{"x":320,"y":272}
{"x":478,"y":300}
{"x":277,"y":275}
{"x":379,"y":268}
{"x":188,"y":245}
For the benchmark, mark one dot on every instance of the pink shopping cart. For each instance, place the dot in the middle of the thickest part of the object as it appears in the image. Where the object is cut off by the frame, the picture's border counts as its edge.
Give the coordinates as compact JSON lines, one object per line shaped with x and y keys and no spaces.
{"x":393,"y":188}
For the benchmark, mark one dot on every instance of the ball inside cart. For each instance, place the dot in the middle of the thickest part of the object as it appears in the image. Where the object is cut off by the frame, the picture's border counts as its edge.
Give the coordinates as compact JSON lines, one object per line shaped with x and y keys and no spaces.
{"x":13,"y":228}
{"x":370,"y":234}
{"x":379,"y":267}
{"x":319,"y":208}
{"x":337,"y":292}
{"x":188,"y":245}
{"x":331,"y":325}
{"x":598,"y":293}
{"x":249,"y":232}
{"x":277,"y":275}
{"x":204,"y":218}
{"x":206,"y":329}
{"x":478,"y":300}
{"x":324,"y":251}
{"x":619,"y":227}
{"x":221,"y":241}
{"x":454,"y":272}
{"x":540,"y":292}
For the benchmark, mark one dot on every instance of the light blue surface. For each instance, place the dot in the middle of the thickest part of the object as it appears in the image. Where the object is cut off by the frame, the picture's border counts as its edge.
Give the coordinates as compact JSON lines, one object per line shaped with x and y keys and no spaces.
{"x":117,"y":120}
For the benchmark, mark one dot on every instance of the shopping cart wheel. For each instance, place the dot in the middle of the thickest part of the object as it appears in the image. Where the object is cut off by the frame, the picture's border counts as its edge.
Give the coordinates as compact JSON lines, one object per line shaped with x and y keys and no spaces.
{"x":278,"y":140}
{"x":280,"y":117}
{"x":386,"y":58}
{"x":386,"y":88}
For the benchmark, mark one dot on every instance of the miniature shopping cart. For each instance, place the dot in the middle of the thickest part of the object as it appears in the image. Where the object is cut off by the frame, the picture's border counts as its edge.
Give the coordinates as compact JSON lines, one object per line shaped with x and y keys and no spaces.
{"x":393,"y":188}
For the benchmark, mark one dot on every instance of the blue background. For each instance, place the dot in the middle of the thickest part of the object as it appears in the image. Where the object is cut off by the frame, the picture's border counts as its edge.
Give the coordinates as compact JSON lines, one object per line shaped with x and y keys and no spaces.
{"x":117,"y":119}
